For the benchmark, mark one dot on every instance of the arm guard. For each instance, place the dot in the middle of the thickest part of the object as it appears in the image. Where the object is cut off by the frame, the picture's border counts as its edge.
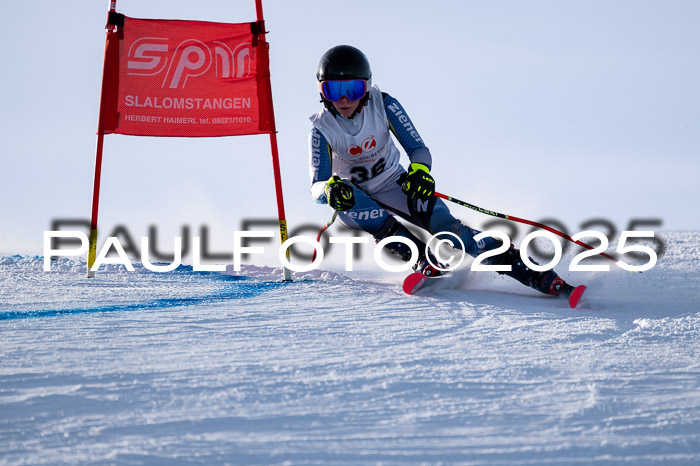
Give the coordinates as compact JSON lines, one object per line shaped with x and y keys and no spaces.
{"x":407,"y":135}
{"x":320,"y":169}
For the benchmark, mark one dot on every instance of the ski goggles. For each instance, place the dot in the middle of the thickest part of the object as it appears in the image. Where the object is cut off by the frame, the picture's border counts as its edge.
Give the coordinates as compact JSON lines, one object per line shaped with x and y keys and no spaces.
{"x":353,"y":89}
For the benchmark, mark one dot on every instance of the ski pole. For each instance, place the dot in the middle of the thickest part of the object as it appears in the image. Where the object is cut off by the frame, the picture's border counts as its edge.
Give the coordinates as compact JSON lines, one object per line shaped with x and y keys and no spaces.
{"x":522,"y":220}
{"x":324,"y":228}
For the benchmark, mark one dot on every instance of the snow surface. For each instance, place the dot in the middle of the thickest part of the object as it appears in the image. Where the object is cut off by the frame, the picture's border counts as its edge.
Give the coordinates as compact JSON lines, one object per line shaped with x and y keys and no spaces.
{"x":343,"y":368}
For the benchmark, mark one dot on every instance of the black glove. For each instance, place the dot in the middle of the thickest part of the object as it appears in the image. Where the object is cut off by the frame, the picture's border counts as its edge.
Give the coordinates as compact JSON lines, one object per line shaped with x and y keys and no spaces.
{"x":418,"y":183}
{"x":340,"y":194}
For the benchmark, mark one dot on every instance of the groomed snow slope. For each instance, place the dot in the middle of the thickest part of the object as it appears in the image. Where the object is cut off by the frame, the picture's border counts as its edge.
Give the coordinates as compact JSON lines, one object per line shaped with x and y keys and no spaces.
{"x":184,"y":367}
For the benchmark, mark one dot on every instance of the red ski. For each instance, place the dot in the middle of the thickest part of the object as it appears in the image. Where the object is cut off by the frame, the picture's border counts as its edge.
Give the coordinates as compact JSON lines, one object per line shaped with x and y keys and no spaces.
{"x":414,"y":282}
{"x":417,"y":280}
{"x":575,"y":295}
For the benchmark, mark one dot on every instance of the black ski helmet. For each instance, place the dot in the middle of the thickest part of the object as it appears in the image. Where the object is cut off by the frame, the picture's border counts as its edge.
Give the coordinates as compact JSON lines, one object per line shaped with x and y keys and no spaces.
{"x":343,"y":62}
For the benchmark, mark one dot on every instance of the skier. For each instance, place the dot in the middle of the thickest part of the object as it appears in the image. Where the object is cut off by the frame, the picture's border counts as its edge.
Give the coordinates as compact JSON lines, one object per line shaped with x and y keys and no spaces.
{"x":355,"y":169}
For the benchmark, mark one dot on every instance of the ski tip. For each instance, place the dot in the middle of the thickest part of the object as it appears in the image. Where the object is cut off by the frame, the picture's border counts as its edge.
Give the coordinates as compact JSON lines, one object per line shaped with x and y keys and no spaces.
{"x":575,"y":295}
{"x":413,"y":282}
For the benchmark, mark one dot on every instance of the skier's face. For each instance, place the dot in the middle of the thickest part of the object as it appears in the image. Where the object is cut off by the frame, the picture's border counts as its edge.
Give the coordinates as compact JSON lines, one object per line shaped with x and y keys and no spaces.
{"x":345,"y":107}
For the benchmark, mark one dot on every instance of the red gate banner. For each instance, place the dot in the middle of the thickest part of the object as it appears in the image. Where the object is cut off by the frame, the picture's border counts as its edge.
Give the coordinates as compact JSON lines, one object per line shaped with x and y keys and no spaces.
{"x":185,"y":78}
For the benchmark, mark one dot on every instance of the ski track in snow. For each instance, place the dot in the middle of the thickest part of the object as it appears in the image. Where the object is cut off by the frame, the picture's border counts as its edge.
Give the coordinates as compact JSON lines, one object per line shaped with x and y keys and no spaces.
{"x":185,"y":367}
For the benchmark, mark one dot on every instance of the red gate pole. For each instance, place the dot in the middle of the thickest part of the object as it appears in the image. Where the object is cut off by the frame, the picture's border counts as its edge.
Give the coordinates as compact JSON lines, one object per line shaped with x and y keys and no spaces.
{"x":263,"y":48}
{"x":92,"y":251}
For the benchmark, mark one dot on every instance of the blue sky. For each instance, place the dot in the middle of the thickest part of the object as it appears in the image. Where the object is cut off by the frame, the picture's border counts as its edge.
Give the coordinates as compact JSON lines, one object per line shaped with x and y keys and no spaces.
{"x":539,"y":109}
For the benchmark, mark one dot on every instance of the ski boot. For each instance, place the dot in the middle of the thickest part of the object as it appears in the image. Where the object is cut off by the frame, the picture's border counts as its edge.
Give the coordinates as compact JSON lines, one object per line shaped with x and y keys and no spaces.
{"x":423,"y":270}
{"x":547,"y":282}
{"x":424,"y":266}
{"x":559,"y":286}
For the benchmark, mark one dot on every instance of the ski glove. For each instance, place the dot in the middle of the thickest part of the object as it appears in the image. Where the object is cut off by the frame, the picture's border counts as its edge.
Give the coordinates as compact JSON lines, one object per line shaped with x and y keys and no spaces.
{"x":340,"y":194}
{"x":418,"y":183}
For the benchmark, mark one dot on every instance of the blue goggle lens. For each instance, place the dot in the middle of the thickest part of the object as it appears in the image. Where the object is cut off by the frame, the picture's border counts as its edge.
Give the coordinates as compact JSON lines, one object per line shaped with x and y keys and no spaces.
{"x":353,"y":89}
